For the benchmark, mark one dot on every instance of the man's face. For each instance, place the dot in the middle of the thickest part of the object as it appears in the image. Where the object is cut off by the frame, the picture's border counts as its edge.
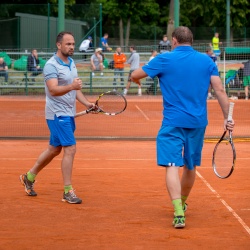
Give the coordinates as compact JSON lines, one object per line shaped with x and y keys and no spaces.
{"x":118,"y":50}
{"x":210,"y":52}
{"x":1,"y":60}
{"x":67,"y":45}
{"x":165,"y":38}
{"x":34,"y":52}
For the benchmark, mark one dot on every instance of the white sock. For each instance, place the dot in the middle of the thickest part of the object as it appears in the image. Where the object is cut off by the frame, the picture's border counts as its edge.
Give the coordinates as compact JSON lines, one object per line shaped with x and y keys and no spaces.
{"x":125,"y":91}
{"x":139,"y":91}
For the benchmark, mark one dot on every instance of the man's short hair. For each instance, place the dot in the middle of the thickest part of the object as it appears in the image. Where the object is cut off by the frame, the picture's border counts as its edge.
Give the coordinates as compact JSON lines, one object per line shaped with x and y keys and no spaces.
{"x":60,"y":36}
{"x":183,"y":35}
{"x":132,"y":47}
{"x":208,"y":49}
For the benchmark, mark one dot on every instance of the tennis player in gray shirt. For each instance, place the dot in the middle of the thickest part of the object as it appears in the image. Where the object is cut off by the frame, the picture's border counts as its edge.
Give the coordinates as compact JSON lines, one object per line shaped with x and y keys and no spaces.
{"x":62,"y":88}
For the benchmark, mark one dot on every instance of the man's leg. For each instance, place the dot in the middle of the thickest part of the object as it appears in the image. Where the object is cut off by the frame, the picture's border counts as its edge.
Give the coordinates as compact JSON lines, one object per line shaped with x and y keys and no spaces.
{"x":43,"y":160}
{"x":246,"y":92}
{"x":173,"y":182}
{"x":174,"y":190}
{"x":6,"y":76}
{"x":67,"y":166}
{"x":139,"y":89}
{"x":122,"y":76}
{"x":187,"y":182}
{"x":115,"y":76}
{"x":128,"y":84}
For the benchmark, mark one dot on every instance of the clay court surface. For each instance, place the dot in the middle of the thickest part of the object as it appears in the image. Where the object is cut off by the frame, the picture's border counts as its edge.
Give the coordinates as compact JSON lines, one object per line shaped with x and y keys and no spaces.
{"x":125,"y":202}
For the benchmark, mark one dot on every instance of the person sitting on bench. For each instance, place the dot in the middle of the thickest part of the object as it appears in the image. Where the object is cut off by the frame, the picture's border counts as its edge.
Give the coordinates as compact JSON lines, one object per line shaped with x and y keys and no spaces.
{"x":33,"y":64}
{"x":3,"y":69}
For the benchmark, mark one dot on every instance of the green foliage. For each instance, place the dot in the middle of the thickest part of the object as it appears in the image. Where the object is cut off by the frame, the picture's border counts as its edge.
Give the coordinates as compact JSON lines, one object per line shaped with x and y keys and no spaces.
{"x":213,"y":13}
{"x":139,"y":11}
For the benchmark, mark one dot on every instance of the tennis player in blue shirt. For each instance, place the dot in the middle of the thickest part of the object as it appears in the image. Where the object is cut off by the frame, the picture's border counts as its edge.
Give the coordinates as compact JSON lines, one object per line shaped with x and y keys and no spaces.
{"x":185,"y":76}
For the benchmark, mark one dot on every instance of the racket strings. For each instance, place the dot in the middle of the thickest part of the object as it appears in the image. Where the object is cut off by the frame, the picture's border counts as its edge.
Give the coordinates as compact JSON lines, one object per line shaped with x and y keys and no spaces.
{"x":112,"y":103}
{"x":223,"y":158}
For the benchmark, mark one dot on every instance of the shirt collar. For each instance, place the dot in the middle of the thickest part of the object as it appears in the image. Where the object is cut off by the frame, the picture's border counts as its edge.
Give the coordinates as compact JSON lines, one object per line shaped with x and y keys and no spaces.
{"x":60,"y":61}
{"x":184,"y":47}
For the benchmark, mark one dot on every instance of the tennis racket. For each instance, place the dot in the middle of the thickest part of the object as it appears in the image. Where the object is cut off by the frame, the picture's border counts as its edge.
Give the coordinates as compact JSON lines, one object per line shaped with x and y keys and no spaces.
{"x":108,"y":103}
{"x":224,"y":154}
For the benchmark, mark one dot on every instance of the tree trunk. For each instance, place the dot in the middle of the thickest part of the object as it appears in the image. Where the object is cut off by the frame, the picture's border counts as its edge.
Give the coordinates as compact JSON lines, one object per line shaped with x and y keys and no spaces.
{"x":121,"y":33}
{"x":127,"y":33}
{"x":170,"y":27}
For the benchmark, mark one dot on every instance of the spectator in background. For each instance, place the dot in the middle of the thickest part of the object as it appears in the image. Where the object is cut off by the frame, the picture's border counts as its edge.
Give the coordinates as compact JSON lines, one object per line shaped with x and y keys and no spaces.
{"x":164,"y":45}
{"x":33,"y":64}
{"x":216,"y":44}
{"x":86,"y":46}
{"x":119,"y":60}
{"x":96,"y":61}
{"x":104,"y":42}
{"x":210,"y":53}
{"x":4,"y":69}
{"x":246,"y":77}
{"x":134,"y":61}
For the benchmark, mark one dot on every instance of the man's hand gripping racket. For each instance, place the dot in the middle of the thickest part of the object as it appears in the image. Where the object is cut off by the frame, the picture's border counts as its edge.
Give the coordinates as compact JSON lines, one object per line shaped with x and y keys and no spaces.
{"x":224,"y":154}
{"x":108,"y":103}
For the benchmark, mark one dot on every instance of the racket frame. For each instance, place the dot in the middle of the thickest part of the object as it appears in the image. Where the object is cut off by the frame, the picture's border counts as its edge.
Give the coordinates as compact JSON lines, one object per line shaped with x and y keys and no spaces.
{"x":97,"y":109}
{"x":230,"y":140}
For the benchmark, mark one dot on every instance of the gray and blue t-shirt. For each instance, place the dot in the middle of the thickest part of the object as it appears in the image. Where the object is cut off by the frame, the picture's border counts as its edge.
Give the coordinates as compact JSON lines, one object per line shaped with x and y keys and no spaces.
{"x":64,"y":105}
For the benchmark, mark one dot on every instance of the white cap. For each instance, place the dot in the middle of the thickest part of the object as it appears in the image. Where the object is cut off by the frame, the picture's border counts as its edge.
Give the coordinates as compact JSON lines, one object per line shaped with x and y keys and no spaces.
{"x":98,"y":49}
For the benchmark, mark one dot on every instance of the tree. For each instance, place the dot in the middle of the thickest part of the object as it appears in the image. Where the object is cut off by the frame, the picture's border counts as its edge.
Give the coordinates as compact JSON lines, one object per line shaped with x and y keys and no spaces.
{"x":198,"y":13}
{"x":128,"y":12}
{"x":170,"y":27}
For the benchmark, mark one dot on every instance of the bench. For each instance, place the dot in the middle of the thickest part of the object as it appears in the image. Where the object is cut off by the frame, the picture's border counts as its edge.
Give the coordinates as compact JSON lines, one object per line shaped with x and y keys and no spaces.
{"x":239,"y":53}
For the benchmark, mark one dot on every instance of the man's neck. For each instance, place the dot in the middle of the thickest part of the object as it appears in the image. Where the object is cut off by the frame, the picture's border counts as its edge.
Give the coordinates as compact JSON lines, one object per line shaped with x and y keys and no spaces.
{"x":65,"y":59}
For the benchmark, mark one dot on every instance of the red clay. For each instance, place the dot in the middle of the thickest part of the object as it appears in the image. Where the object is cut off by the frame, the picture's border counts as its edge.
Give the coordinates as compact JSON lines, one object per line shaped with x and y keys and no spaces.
{"x":142,"y":118}
{"x":125,"y":202}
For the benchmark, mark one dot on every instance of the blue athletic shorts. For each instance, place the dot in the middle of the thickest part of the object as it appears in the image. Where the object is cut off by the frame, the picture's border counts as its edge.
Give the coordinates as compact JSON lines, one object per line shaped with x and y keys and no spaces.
{"x":217,"y":52}
{"x":62,"y":130}
{"x":179,"y":146}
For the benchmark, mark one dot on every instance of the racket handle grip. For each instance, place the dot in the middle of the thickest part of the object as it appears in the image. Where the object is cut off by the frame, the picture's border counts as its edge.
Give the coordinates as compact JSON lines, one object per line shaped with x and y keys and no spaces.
{"x":230,"y":112}
{"x":83,"y":112}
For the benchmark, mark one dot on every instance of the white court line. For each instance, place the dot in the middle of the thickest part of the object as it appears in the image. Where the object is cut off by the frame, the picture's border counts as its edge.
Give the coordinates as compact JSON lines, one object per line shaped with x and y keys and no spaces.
{"x":145,"y":116}
{"x":225,"y":204}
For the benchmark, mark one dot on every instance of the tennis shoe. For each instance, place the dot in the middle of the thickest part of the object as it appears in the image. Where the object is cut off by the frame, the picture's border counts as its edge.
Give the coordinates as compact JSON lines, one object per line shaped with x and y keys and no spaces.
{"x":28,"y":185}
{"x":71,"y":198}
{"x":179,"y":221}
{"x":185,"y":206}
